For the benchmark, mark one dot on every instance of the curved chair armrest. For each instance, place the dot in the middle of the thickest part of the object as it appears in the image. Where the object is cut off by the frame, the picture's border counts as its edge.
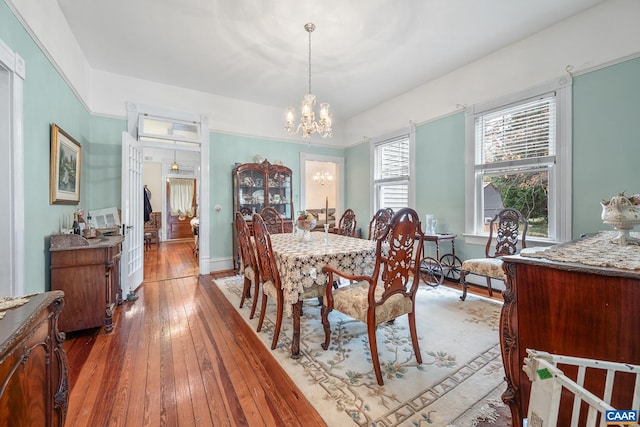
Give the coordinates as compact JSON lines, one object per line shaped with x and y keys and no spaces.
{"x":330,"y":271}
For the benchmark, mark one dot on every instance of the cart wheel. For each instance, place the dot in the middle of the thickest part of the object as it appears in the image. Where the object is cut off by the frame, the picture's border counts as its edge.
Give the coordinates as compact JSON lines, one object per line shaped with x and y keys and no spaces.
{"x":451,"y":266}
{"x":431,"y":271}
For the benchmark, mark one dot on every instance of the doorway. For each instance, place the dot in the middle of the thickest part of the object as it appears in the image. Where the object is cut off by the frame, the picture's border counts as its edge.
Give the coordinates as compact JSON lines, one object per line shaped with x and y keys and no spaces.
{"x":173,"y":255}
{"x":322,"y":184}
{"x":180,"y":133}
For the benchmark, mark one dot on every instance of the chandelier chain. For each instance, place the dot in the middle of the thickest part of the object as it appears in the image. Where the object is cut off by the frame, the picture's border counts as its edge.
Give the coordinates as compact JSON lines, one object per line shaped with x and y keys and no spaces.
{"x":309,"y":30}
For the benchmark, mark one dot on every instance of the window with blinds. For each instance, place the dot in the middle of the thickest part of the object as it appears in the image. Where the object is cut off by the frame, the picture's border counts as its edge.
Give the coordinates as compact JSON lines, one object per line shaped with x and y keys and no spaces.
{"x":515,"y":154}
{"x":392,"y":173}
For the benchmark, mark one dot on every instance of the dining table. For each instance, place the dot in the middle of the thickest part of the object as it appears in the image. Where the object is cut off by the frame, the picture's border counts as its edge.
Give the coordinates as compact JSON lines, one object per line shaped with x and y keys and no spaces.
{"x":300,"y":257}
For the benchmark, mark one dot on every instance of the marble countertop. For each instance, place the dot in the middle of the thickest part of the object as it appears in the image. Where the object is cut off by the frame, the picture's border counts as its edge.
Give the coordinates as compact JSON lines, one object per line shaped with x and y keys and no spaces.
{"x":63,"y":242}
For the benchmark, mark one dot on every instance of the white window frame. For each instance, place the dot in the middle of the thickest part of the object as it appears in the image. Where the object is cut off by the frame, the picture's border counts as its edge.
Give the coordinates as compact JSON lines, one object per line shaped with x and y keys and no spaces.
{"x":559,"y":202}
{"x":410,"y":132}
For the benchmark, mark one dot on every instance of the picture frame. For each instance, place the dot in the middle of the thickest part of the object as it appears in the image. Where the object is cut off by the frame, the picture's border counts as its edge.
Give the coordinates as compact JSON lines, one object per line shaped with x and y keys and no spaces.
{"x":66,"y":168}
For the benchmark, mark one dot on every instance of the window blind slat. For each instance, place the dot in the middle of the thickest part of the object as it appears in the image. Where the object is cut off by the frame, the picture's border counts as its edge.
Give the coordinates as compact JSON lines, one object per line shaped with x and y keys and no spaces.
{"x":520,"y":132}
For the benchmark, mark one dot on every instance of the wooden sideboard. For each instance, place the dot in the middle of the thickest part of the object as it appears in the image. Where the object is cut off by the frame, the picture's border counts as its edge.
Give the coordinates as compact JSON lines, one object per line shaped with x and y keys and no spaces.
{"x":34,"y":387}
{"x":88,"y":271}
{"x":569,"y":309}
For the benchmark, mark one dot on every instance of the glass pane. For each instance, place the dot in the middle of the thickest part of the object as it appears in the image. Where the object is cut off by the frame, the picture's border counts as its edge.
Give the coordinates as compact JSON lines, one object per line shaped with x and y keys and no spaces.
{"x":168,"y":129}
{"x":279,"y":190}
{"x":526,"y":191}
{"x":392,"y":159}
{"x":394,"y":196}
{"x":251,"y":190}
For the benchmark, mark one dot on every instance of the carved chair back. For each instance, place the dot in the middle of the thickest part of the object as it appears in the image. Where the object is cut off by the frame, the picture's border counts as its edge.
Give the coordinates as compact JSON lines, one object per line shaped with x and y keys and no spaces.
{"x":272,"y":220}
{"x":398,"y":256}
{"x":379,"y":223}
{"x":264,"y":252}
{"x":506,"y":227}
{"x":247,"y":254}
{"x":347,"y":224}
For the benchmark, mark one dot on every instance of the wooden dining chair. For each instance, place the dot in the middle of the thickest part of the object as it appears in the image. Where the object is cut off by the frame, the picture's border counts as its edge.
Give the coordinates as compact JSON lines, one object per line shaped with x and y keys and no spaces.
{"x":379,"y":223}
{"x":506,"y":226}
{"x":347,"y":224}
{"x":272,"y":220}
{"x":271,"y":287}
{"x":389,"y":292}
{"x":249,"y":263}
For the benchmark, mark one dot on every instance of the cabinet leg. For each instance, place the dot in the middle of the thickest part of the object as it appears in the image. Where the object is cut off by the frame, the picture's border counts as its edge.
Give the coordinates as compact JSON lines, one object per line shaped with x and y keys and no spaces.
{"x":108,"y":319}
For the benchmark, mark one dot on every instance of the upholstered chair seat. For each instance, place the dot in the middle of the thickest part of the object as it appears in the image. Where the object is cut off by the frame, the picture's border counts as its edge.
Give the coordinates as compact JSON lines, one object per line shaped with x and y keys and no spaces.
{"x":353,"y":300}
{"x":488,"y":267}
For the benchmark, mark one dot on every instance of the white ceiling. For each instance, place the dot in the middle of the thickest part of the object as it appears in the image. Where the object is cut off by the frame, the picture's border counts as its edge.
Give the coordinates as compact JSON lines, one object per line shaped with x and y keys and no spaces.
{"x":364,"y":52}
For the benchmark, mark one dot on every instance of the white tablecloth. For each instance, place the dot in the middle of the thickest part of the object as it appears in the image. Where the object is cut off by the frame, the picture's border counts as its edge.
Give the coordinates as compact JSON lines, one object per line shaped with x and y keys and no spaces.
{"x":300,"y":263}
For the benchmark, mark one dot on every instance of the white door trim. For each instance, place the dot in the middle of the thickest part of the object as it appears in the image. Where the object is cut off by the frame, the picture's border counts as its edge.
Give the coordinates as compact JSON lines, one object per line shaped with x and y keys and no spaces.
{"x":14,"y":63}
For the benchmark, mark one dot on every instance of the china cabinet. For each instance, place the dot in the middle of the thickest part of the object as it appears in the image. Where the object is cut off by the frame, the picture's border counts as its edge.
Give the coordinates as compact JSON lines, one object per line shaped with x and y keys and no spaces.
{"x":258,"y":185}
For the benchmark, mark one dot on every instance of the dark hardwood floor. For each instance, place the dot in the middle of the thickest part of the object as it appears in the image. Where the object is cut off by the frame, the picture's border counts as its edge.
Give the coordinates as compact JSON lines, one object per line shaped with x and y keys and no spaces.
{"x":170,"y":260}
{"x":180,"y":355}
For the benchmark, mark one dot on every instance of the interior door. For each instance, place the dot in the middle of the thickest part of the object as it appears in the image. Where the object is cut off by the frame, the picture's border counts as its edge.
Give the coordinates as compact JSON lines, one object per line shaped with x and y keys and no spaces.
{"x":132,"y":261}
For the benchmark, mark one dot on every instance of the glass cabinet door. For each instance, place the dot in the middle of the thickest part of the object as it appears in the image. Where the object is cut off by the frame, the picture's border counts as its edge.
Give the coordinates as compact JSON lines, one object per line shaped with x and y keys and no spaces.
{"x":250,"y":191}
{"x":279,"y":193}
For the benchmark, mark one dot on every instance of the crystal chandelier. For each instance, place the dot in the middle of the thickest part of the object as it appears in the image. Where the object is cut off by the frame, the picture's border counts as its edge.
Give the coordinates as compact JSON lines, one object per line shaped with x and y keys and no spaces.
{"x":322,"y":177}
{"x":308,"y":124}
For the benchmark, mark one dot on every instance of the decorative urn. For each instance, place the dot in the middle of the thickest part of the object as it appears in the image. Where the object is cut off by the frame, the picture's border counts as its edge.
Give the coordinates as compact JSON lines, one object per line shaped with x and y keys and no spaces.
{"x":623,"y":214}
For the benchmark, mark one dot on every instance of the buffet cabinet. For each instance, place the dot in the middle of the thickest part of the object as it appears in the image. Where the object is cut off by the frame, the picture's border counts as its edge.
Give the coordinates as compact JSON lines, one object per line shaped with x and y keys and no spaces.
{"x":34,"y":375}
{"x":569,"y":309}
{"x":258,"y":185}
{"x":88,"y":271}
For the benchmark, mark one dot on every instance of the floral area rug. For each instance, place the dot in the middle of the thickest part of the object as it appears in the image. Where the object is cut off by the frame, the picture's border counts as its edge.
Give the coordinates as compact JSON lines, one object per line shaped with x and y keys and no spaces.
{"x":458,"y":384}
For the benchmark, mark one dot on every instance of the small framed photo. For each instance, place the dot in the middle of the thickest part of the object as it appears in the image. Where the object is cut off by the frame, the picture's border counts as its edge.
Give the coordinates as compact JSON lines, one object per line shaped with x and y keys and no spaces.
{"x":66,"y":167}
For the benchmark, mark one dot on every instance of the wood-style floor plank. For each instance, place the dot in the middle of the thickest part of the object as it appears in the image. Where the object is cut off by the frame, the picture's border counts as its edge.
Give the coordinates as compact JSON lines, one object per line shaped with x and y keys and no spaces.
{"x":179,"y":356}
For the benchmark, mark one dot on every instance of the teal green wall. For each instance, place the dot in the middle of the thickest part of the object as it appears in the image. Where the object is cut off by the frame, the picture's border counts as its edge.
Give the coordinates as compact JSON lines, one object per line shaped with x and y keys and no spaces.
{"x":104,"y":163}
{"x":606,"y":141}
{"x":358,"y":193}
{"x":440,"y":173}
{"x":47,"y":99}
{"x":605,"y":152}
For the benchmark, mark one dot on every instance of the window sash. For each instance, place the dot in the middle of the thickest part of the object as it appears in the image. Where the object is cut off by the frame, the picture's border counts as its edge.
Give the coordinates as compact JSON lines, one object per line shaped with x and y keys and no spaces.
{"x":392,"y":159}
{"x":392,"y":194}
{"x":526,"y":130}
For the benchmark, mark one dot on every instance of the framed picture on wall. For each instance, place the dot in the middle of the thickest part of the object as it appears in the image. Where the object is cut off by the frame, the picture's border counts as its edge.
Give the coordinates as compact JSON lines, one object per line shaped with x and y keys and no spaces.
{"x":66,"y":164}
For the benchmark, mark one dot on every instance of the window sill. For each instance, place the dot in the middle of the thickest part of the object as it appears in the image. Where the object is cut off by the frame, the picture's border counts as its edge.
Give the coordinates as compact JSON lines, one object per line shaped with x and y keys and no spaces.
{"x":481,"y":239}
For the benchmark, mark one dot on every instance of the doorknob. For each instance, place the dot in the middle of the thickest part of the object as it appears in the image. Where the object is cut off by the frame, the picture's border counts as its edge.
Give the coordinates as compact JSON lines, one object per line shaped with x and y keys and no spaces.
{"x":125,"y":228}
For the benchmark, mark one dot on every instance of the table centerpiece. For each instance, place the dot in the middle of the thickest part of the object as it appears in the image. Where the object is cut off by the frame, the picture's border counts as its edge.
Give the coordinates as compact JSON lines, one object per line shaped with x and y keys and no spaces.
{"x":305,"y":223}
